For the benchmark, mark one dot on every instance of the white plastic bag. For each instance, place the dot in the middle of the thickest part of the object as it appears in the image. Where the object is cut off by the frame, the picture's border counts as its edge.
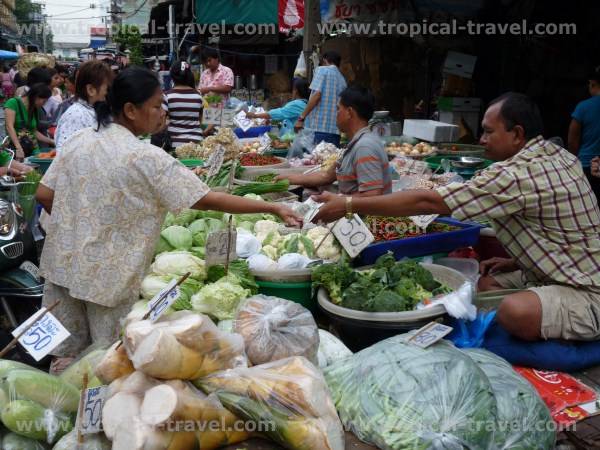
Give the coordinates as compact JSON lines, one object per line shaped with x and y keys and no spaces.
{"x":247,"y":244}
{"x":331,"y":349}
{"x":293,"y":261}
{"x":261,"y":262}
{"x":459,"y":304}
{"x":300,"y":70}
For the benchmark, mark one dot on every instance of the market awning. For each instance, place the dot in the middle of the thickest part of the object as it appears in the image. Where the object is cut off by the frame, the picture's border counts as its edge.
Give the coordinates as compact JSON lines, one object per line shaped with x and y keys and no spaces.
{"x":4,"y":54}
{"x":237,"y":11}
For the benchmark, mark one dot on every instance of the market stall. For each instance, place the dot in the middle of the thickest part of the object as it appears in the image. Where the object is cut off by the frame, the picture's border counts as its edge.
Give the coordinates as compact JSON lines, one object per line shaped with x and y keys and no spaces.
{"x":329,"y":337}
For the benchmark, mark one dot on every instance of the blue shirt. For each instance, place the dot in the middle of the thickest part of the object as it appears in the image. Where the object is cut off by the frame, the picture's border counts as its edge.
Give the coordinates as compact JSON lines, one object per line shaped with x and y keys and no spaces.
{"x":330,"y":82}
{"x":587,"y":113}
{"x":290,"y":111}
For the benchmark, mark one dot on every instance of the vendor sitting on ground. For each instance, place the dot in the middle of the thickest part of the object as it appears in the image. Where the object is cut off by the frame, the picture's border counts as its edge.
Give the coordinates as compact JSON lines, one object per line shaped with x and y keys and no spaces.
{"x":363,"y":169}
{"x":290,"y":111}
{"x":544,"y":212}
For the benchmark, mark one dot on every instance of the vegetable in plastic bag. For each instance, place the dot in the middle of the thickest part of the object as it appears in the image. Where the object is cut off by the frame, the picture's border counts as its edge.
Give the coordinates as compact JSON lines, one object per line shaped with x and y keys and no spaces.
{"x":220,"y":299}
{"x":91,"y":442}
{"x":261,"y":262}
{"x":396,"y":395}
{"x":13,"y":441}
{"x":331,"y":349}
{"x":246,"y":244}
{"x":177,"y":237}
{"x":274,"y":329}
{"x":178,"y":263}
{"x":289,"y":395}
{"x":32,"y":420}
{"x":85,"y":363}
{"x":523,"y":417}
{"x":293,"y":261}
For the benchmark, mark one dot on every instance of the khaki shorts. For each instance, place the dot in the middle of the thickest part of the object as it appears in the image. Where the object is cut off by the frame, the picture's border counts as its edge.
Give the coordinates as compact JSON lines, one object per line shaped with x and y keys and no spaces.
{"x":87,"y":322}
{"x":567,"y":312}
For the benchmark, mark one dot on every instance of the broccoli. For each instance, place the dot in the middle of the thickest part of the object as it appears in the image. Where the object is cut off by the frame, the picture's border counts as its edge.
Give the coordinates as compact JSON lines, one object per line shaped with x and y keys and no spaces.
{"x":389,"y":301}
{"x":359,"y":295}
{"x":425,"y":279}
{"x":335,"y":278}
{"x":413,"y":292}
{"x":386,"y":261}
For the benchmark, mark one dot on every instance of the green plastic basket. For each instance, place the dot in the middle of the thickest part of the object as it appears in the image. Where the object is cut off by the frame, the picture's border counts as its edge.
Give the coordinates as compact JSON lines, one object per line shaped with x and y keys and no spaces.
{"x":192,"y":162}
{"x":434,"y":163}
{"x":42,"y":163}
{"x":295,"y":292}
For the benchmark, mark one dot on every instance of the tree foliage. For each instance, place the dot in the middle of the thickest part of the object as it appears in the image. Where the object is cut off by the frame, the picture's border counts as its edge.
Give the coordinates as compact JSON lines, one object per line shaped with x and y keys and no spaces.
{"x":130,"y":38}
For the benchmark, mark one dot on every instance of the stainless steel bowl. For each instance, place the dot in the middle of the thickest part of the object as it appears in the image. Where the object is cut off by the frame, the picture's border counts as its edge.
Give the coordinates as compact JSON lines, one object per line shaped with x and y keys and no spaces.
{"x":467,"y":162}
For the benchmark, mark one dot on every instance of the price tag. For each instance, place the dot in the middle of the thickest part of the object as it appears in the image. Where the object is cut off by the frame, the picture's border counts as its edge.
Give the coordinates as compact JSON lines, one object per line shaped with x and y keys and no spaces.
{"x":242,"y":121}
{"x":353,"y":235}
{"x":423,"y":221}
{"x":158,"y":305}
{"x":265,"y":142}
{"x":212,"y":115}
{"x":43,"y":336}
{"x":215,"y":161}
{"x":227,"y":117}
{"x":216,"y":247}
{"x":93,"y":403}
{"x":430,"y":334}
{"x":31,"y":269}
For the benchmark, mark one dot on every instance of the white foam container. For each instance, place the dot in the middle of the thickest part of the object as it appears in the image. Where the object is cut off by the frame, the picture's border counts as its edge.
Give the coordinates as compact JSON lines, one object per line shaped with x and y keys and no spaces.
{"x":430,"y":130}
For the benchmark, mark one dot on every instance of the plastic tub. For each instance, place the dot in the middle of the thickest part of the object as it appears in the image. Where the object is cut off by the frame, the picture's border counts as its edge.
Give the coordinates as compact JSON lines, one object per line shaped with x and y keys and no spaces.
{"x":359,"y":329}
{"x":191,"y":163}
{"x":253,"y":132}
{"x":466,"y":236}
{"x":43,"y":163}
{"x":300,"y":292}
{"x":283,"y":163}
{"x":434,"y":163}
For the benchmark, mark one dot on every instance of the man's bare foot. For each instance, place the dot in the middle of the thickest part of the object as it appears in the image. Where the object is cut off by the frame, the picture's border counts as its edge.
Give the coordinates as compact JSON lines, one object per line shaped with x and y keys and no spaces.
{"x":58,"y":365}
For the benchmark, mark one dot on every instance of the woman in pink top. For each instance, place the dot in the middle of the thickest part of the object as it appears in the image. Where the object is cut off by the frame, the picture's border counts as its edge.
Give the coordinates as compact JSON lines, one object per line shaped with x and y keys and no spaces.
{"x":8,"y":88}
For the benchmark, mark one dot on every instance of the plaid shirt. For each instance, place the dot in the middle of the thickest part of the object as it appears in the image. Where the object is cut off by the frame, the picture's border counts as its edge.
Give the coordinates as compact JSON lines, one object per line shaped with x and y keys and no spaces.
{"x":330,"y":82}
{"x":543,"y":211}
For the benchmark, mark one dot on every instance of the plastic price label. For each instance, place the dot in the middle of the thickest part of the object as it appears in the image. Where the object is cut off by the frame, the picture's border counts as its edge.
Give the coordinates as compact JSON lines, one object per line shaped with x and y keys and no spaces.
{"x":216,"y":247}
{"x":423,"y":221}
{"x":93,"y":403}
{"x":353,"y":235}
{"x":43,"y":334}
{"x":429,"y":334}
{"x":160,"y":302}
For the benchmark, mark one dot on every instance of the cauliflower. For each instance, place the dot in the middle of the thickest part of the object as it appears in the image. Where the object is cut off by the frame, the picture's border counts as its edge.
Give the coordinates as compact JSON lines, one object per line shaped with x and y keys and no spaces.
{"x":296,"y":243}
{"x":330,"y":249}
{"x":265,"y":226}
{"x":271,"y":251}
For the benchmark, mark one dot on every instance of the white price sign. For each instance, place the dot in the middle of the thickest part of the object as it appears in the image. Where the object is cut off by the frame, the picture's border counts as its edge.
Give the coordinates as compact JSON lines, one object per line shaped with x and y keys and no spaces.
{"x":353,"y":235}
{"x":212,"y":116}
{"x":423,"y":221}
{"x":430,"y":334}
{"x":216,"y":247}
{"x":228,"y":117}
{"x":43,"y":336}
{"x":265,"y":142}
{"x":93,"y":403}
{"x":215,"y":161}
{"x":160,"y":302}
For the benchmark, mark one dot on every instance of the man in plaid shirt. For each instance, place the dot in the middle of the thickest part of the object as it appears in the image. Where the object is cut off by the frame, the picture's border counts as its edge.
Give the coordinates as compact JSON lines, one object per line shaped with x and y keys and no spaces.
{"x":321,"y":110}
{"x":544,"y":212}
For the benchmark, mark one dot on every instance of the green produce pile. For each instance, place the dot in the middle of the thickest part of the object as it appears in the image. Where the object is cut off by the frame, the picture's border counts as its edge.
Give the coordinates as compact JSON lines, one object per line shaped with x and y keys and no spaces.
{"x":390,"y":286}
{"x":266,"y":178}
{"x":262,"y":188}
{"x":221,"y":179}
{"x":397,"y":395}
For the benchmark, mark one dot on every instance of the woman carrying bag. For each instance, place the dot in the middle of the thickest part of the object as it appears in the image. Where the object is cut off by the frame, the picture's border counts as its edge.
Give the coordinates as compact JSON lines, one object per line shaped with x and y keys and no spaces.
{"x":21,"y":115}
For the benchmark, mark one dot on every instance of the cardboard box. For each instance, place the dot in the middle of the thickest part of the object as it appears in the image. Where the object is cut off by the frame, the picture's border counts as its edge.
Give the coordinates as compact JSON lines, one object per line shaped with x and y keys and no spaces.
{"x":459,"y":64}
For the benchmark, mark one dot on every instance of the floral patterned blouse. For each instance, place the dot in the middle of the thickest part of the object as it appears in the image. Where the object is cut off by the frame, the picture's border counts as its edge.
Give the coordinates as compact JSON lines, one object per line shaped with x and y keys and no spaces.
{"x":111,"y":195}
{"x":80,"y":115}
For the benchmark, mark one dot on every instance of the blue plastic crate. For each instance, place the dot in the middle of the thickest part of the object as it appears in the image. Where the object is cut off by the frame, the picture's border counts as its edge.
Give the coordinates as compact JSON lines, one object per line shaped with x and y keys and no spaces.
{"x":253,"y":132}
{"x":428,"y":244}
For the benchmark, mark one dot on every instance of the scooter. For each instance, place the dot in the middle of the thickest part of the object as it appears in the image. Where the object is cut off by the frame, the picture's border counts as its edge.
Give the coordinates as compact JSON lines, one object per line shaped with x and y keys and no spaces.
{"x":21,"y":288}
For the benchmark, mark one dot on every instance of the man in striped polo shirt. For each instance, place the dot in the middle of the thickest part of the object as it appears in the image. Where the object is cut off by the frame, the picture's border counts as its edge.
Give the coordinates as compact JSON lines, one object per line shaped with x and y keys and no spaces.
{"x":544,"y":212}
{"x":363,"y":169}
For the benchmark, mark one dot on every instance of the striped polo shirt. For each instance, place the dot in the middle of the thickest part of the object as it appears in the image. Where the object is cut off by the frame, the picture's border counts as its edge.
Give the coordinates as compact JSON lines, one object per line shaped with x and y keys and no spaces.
{"x":364,"y":165}
{"x":184,"y":107}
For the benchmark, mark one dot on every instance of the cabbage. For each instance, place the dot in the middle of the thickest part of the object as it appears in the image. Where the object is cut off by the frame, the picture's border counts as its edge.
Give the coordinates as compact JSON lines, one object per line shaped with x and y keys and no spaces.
{"x":214,"y":225}
{"x":221,"y":299}
{"x":209,"y":215}
{"x":178,"y":237}
{"x":153,"y":284}
{"x":178,"y":263}
{"x":199,"y":252}
{"x":248,"y":226}
{"x":162,"y":246}
{"x":185,"y":218}
{"x":198,"y":226}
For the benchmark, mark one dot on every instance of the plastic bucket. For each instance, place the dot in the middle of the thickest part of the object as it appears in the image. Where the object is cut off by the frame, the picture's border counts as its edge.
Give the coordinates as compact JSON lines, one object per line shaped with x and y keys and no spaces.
{"x":296,"y":292}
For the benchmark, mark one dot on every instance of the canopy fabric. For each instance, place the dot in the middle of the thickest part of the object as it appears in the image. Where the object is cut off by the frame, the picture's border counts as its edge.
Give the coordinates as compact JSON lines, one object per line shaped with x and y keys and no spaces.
{"x":237,"y":11}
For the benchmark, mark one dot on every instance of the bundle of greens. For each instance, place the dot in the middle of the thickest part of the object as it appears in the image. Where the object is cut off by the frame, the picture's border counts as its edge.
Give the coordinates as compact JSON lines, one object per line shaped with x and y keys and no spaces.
{"x":262,"y":188}
{"x":221,"y":179}
{"x":390,"y":286}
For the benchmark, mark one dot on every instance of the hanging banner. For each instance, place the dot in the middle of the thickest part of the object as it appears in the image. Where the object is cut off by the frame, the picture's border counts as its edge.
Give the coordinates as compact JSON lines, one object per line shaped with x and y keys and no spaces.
{"x":236,"y":11}
{"x":291,"y":15}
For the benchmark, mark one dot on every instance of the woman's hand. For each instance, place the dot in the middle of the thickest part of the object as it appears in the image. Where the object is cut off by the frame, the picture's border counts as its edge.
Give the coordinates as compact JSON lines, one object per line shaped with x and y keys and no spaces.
{"x":497,"y":265}
{"x":250,"y":115}
{"x":19,"y":154}
{"x":333,"y":208}
{"x":290,"y":178}
{"x":288,"y":215}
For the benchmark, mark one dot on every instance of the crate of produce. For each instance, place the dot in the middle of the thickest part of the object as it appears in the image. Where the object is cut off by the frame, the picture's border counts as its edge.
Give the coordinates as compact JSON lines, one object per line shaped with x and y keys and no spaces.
{"x":460,"y":234}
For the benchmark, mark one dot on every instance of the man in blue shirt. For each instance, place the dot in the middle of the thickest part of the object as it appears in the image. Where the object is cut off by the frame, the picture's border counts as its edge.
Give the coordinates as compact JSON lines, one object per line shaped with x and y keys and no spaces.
{"x":584,"y":131}
{"x":320,"y":114}
{"x":290,"y":112}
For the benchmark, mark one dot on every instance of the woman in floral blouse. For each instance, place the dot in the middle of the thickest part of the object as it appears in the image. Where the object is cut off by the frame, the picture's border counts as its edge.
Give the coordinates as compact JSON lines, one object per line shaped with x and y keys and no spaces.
{"x":107,"y":193}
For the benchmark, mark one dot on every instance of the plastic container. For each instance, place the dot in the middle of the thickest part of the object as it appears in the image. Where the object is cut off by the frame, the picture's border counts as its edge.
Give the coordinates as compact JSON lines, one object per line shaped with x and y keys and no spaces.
{"x":300,"y":292}
{"x":430,"y":130}
{"x":253,"y":132}
{"x":434,"y":163}
{"x":191,"y":163}
{"x":467,"y":266}
{"x":281,"y":165}
{"x":43,"y":163}
{"x":359,"y":329}
{"x":466,"y":236}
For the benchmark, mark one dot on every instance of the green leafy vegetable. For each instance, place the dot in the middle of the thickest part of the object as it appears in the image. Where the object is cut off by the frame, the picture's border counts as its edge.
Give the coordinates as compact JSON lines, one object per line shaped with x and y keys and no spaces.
{"x":177,"y":237}
{"x":262,"y":188}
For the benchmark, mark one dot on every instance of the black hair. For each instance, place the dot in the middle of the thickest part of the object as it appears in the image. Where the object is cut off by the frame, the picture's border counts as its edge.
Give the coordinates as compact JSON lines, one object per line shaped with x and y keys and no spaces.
{"x":332,"y":57}
{"x":5,"y":69}
{"x":133,"y":85}
{"x":360,"y":100}
{"x":519,"y":109}
{"x":38,"y":90}
{"x":38,"y":75}
{"x":301,"y":85}
{"x":181,"y":73}
{"x":210,"y":53}
{"x":52,"y":71}
{"x":94,"y":72}
{"x":595,"y":74}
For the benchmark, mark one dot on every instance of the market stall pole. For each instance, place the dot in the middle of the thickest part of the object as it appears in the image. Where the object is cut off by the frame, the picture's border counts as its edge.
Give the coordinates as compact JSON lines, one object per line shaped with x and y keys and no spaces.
{"x":312,"y":17}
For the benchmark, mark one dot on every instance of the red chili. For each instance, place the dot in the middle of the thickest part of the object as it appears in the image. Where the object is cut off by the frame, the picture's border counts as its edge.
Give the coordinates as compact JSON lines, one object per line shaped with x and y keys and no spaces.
{"x":258,"y":160}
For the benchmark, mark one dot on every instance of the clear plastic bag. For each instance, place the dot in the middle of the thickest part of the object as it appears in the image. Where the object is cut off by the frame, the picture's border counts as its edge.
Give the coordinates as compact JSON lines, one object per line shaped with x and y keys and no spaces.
{"x":37,"y":405}
{"x":304,"y":143}
{"x":524,"y":421}
{"x":91,"y":442}
{"x":274,"y":328}
{"x":396,"y":395}
{"x":286,"y":400}
{"x":331,"y":349}
{"x":85,"y":363}
{"x":182,"y":346}
{"x":459,"y":304}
